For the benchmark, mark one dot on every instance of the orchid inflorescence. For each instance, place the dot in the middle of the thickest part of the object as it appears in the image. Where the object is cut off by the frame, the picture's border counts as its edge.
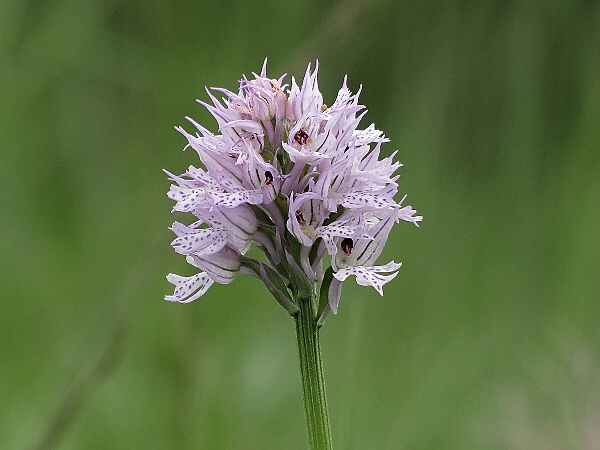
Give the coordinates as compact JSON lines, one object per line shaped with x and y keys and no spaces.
{"x":294,"y":178}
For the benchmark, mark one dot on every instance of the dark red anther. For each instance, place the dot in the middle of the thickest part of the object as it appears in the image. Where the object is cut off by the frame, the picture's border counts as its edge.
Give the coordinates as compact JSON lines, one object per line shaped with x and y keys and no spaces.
{"x":347,"y":245}
{"x":301,"y":137}
{"x":299,"y":218}
{"x":268,"y":178}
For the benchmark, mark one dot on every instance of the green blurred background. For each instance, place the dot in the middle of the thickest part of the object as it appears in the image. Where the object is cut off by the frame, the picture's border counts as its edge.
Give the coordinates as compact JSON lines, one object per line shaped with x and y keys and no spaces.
{"x":487,"y":339}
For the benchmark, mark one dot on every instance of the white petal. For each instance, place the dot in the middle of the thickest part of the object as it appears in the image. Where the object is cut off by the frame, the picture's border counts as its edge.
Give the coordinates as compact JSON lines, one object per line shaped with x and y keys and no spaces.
{"x":408,"y":214}
{"x":334,"y":294}
{"x":222,"y":266}
{"x":369,"y":276}
{"x":367,"y":200}
{"x":188,"y":289}
{"x":202,"y":241}
{"x":389,"y":267}
{"x":233,"y":199}
{"x":187,"y":199}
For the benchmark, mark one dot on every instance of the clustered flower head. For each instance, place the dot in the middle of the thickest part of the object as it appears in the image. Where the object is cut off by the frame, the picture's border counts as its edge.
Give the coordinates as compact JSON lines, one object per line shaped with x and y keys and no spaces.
{"x":295,"y":179}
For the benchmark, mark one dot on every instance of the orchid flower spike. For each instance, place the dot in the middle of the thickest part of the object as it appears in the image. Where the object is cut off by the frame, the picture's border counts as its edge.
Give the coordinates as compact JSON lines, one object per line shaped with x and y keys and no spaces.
{"x":291,"y":178}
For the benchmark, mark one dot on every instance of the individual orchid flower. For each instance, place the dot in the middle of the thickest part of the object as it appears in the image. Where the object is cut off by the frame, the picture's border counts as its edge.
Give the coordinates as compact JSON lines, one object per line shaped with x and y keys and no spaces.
{"x":218,"y":267}
{"x":188,"y":289}
{"x":355,"y":257}
{"x":321,"y":133}
{"x":306,"y":221}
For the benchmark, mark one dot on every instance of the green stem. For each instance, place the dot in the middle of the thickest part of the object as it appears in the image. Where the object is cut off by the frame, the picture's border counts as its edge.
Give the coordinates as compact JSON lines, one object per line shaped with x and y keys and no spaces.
{"x":313,"y":383}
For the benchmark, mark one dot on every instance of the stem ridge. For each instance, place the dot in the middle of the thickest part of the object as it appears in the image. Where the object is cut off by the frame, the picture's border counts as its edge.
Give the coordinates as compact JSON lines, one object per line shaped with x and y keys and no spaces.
{"x":313,"y":381}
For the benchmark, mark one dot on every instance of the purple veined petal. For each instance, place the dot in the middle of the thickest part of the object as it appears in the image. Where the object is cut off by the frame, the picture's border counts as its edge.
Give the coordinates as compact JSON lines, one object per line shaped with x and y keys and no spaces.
{"x":294,"y":226}
{"x":257,"y":174}
{"x":306,"y":214}
{"x":269,"y":194}
{"x":203,"y":241}
{"x":324,"y":143}
{"x":345,"y":125}
{"x":270,"y":130}
{"x":305,"y":155}
{"x":326,"y":184}
{"x":223,"y":157}
{"x":342,"y":128}
{"x":222,"y":267}
{"x":307,"y":96}
{"x":310,"y":96}
{"x":241,"y":217}
{"x":331,"y":145}
{"x":291,"y":107}
{"x":244,"y":126}
{"x":305,"y":126}
{"x":234,"y":136}
{"x":249,"y":148}
{"x":240,"y":223}
{"x":368,"y":157}
{"x":366,"y":251}
{"x":313,"y":138}
{"x":188,"y":289}
{"x":389,"y":191}
{"x":369,"y":276}
{"x":324,"y":181}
